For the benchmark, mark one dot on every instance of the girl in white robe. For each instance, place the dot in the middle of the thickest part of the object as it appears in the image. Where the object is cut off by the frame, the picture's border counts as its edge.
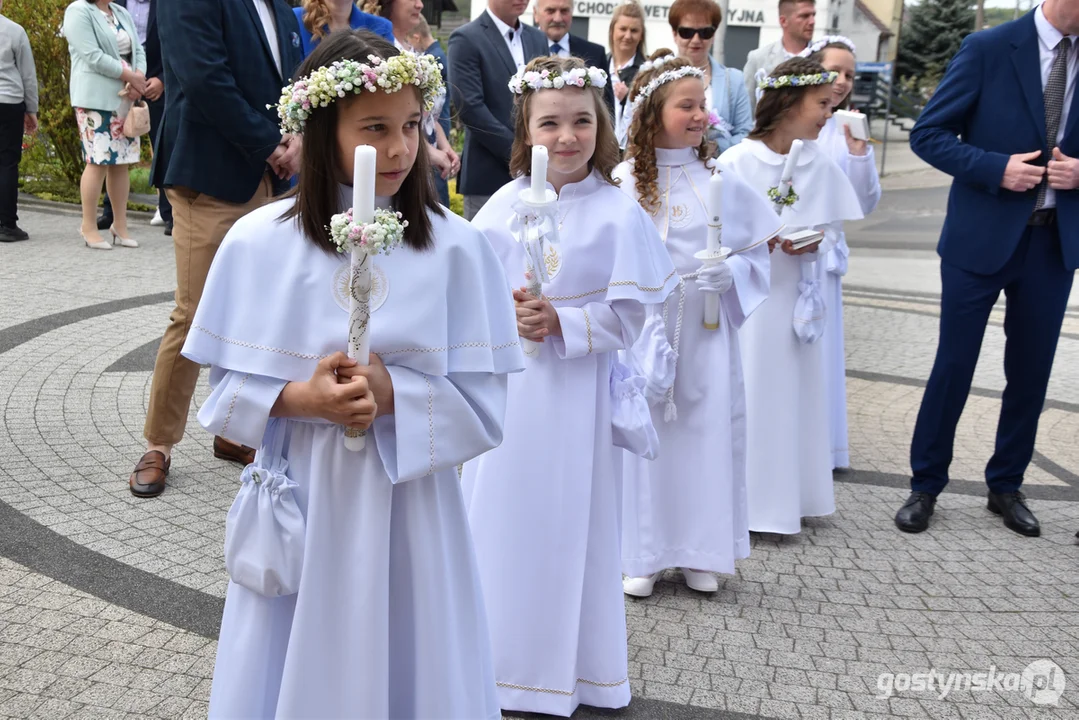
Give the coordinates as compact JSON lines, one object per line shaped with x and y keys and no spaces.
{"x":388,"y":618}
{"x":789,"y":458}
{"x":855,"y":158}
{"x":545,"y":506}
{"x":687,"y":508}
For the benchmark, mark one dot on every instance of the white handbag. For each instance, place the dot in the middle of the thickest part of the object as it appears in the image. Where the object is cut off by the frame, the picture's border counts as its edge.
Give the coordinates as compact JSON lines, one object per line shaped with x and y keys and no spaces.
{"x":264,"y":531}
{"x":631,"y":419}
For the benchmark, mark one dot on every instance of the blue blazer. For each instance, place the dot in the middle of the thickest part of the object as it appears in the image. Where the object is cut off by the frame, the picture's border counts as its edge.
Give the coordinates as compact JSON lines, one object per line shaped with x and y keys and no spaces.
{"x":359,"y":20}
{"x":481,"y":67}
{"x":731,"y":101}
{"x":220,"y":75}
{"x":988,"y":107}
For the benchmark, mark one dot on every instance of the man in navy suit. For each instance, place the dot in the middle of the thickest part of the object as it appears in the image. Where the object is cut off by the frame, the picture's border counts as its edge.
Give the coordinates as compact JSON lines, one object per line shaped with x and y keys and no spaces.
{"x":144,"y":13}
{"x":554,"y":18}
{"x":484,"y":55}
{"x":1002,"y":123}
{"x":220,"y":155}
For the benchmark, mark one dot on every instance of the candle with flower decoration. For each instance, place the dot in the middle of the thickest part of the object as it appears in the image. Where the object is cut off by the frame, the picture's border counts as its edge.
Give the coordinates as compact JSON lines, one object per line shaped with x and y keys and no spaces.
{"x":363,"y":212}
{"x":714,"y":253}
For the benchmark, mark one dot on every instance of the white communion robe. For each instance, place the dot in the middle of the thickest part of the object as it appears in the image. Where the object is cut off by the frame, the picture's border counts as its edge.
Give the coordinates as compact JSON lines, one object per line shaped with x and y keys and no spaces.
{"x":545,"y":506}
{"x":788,"y":457}
{"x":389,"y":619}
{"x":861,"y":170}
{"x":687,"y":508}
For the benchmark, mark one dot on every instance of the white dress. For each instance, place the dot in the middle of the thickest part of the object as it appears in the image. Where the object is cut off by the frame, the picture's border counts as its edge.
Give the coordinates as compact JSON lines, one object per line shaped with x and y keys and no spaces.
{"x":687,"y":508}
{"x":861,"y":170}
{"x":545,"y":506}
{"x":789,"y":459}
{"x":389,"y":618}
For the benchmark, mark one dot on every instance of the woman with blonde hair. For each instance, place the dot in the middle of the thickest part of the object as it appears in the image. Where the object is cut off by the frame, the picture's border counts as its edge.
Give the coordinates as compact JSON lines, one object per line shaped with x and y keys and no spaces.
{"x":626,"y":38}
{"x":108,"y":74}
{"x":318,"y":18}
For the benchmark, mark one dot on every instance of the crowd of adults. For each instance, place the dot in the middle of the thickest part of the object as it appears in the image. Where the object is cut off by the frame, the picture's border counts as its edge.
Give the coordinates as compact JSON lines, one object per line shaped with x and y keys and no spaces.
{"x":197,"y":79}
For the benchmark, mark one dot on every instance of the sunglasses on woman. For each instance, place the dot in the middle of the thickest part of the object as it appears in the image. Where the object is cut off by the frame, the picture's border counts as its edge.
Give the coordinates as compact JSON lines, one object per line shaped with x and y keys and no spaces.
{"x":687,"y":33}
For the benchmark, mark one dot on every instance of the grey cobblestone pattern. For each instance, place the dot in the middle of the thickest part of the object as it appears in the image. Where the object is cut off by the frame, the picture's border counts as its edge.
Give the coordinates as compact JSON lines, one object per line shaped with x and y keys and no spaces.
{"x":803,"y":630}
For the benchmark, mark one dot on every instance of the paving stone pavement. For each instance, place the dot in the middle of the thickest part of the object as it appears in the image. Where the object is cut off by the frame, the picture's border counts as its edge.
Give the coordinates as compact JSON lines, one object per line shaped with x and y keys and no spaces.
{"x":109,"y":606}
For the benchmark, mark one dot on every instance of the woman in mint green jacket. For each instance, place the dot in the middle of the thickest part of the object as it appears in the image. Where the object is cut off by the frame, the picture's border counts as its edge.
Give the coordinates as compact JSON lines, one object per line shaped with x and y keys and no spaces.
{"x":108,"y":66}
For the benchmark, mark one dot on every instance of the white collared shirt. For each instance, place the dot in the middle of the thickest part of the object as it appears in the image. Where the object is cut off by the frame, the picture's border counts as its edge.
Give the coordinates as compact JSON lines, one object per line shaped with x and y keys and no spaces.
{"x":561,"y":48}
{"x":1048,"y":39}
{"x":269,"y":26}
{"x":512,"y":36}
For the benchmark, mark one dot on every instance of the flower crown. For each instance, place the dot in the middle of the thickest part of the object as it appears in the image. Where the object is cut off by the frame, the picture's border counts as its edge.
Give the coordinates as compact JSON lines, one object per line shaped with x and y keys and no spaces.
{"x":783,"y":81}
{"x":533,"y":80}
{"x":328,"y":83}
{"x":659,"y":80}
{"x":819,"y":44}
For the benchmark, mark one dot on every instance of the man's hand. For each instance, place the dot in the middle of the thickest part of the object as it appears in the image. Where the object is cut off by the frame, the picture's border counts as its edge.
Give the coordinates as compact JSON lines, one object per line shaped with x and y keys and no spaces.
{"x":154,"y":89}
{"x":276,"y":160}
{"x":29,"y":124}
{"x":1063,"y":171}
{"x":1020,"y":175}
{"x":293,"y":148}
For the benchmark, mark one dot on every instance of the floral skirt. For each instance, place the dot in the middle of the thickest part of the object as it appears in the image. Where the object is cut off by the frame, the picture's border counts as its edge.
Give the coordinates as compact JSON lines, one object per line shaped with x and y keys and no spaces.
{"x":103,"y":141}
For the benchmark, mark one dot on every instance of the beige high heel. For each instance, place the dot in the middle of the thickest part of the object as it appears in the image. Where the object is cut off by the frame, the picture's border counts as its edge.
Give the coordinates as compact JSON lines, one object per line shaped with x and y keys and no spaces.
{"x":99,"y":245}
{"x":124,"y":242}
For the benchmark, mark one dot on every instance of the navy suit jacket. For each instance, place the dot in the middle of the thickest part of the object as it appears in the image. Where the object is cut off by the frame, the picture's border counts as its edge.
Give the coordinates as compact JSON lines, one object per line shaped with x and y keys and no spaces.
{"x":480,"y":69}
{"x":220,"y":75}
{"x":989,"y":106}
{"x":152,"y":46}
{"x":595,"y":56}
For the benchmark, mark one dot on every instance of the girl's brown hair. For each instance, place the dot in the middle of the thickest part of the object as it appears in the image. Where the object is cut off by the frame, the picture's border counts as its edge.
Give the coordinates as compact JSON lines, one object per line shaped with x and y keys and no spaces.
{"x":631,"y":9}
{"x":647,"y":123}
{"x":321,"y":172}
{"x":776,"y":103}
{"x":607,"y":154}
{"x":819,"y":57}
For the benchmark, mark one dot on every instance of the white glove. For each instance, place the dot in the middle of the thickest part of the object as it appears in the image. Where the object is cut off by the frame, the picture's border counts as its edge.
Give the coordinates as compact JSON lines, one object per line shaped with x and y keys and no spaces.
{"x":715,"y":278}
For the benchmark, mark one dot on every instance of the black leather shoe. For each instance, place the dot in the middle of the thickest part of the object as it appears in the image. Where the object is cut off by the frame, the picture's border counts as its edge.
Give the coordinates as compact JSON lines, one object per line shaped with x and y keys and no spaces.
{"x":12,"y":233}
{"x":104,"y":221}
{"x":913,"y":517}
{"x":1017,"y":516}
{"x":168,"y":228}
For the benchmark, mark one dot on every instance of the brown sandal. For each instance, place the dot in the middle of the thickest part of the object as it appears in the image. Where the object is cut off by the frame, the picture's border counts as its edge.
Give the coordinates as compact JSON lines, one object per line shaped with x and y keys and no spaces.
{"x":148,"y":480}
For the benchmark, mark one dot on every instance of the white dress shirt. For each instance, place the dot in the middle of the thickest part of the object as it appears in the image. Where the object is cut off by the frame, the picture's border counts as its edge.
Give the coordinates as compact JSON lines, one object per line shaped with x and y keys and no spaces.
{"x":560,"y":48}
{"x":269,"y":26}
{"x":1048,"y":39}
{"x":512,"y":36}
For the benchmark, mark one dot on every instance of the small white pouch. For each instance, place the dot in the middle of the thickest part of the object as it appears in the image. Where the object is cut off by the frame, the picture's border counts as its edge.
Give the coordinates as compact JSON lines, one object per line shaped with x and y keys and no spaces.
{"x":631,"y":419}
{"x":653,"y":359}
{"x":265,"y":530}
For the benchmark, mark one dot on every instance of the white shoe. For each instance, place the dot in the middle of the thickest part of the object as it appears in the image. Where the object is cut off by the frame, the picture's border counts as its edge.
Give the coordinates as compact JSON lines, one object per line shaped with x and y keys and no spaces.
{"x":640,"y":586}
{"x":700,"y":581}
{"x":123,"y":241}
{"x":98,"y":245}
{"x":158,"y":221}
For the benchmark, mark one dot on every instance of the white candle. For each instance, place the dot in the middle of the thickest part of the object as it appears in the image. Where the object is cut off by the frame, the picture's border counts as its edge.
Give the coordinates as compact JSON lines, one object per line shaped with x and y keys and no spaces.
{"x":363,"y":184}
{"x":792,"y":161}
{"x":539,"y":173}
{"x":715,"y":211}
